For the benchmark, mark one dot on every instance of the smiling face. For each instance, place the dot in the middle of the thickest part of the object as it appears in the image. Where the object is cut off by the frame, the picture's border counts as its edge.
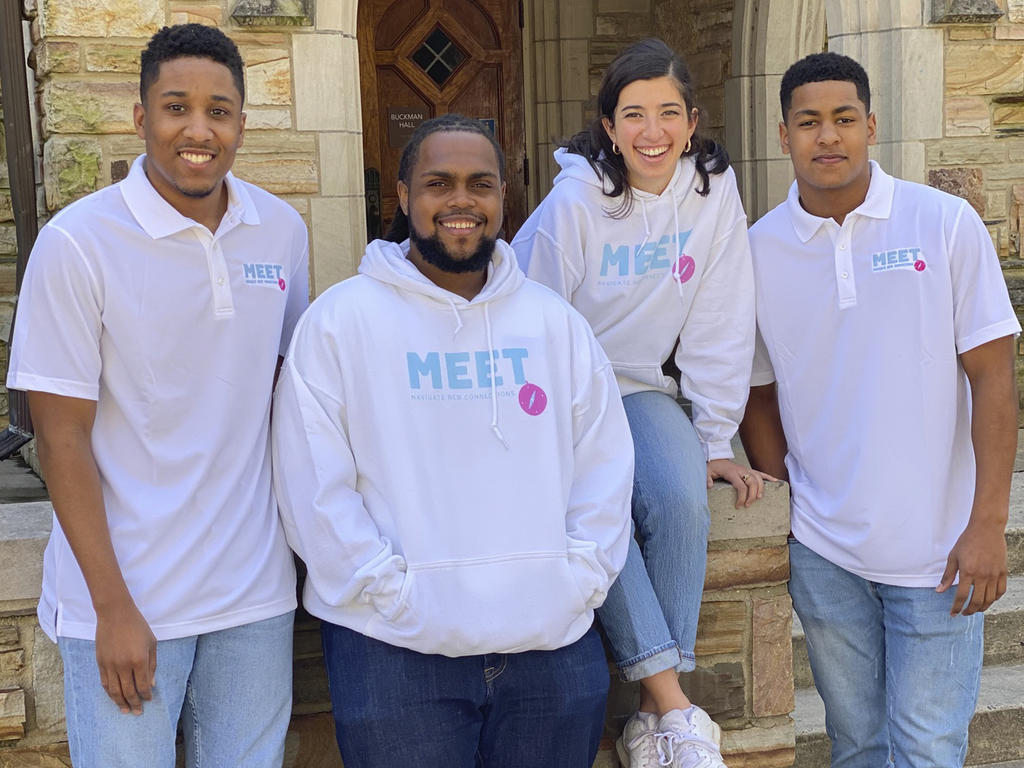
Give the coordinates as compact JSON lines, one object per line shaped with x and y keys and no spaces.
{"x":827,"y":132}
{"x":192,"y":123}
{"x":454,"y":203}
{"x":652,"y":125}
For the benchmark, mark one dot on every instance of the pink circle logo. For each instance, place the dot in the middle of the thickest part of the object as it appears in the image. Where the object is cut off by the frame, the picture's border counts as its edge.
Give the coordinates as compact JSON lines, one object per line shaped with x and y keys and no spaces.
{"x":532,"y":399}
{"x":683,"y":269}
{"x":280,"y":283}
{"x":919,"y":265}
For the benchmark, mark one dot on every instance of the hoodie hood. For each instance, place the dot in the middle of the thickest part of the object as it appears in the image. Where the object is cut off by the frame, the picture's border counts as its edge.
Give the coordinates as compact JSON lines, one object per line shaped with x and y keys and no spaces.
{"x":389,"y":263}
{"x":578,"y":167}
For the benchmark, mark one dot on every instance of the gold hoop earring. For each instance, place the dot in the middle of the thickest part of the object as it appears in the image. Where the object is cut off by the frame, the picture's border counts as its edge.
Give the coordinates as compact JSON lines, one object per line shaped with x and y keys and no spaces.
{"x":615,"y":149}
{"x":689,"y":143}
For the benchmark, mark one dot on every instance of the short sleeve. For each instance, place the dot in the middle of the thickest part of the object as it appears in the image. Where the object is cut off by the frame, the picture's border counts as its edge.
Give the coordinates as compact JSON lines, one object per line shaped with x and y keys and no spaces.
{"x":56,"y":344}
{"x":762,"y":372}
{"x":298,"y":294}
{"x":981,"y":304}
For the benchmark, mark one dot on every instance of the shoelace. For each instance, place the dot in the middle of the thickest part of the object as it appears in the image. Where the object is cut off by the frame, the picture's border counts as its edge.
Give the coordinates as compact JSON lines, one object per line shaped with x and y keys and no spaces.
{"x":668,"y":742}
{"x":644,"y":739}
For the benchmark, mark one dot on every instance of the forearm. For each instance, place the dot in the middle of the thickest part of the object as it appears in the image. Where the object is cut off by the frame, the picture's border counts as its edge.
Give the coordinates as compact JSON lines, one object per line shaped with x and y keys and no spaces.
{"x":761,"y":432}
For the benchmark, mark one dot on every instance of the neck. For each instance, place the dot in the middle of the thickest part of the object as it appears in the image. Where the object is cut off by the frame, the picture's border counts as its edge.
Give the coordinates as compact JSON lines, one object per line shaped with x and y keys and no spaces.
{"x":464,"y":284}
{"x":208,"y":211}
{"x":834,"y":203}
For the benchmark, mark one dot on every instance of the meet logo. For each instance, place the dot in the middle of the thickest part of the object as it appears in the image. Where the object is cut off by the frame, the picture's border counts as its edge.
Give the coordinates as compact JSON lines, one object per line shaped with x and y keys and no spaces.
{"x":264,"y":274}
{"x":623,"y":265}
{"x":471,"y":376}
{"x":898,"y":258}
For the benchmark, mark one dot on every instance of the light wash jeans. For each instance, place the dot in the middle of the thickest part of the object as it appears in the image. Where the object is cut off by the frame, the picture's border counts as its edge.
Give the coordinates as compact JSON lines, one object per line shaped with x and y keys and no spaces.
{"x":899,"y":676}
{"x":650,"y":615}
{"x":396,"y":707}
{"x":232,"y":687}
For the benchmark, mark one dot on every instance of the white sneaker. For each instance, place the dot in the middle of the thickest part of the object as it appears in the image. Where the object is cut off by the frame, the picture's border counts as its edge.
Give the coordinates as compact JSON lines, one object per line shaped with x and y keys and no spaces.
{"x":636,"y":746}
{"x":688,"y":738}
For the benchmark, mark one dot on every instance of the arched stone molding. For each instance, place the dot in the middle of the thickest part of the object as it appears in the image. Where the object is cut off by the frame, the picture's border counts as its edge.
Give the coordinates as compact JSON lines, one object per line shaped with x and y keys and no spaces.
{"x":903,"y":58}
{"x":327,"y":102}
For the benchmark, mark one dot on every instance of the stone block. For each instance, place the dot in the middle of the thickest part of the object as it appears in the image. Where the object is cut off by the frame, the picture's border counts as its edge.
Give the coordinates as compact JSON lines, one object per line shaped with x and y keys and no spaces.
{"x":6,"y":206}
{"x":721,"y":628}
{"x":26,"y":529}
{"x":327,"y":83}
{"x":1014,"y":32}
{"x":623,"y":6}
{"x":310,"y":743}
{"x":976,"y":69}
{"x":12,"y":714}
{"x":969,"y":33}
{"x":71,"y":169}
{"x":765,"y":745}
{"x":966,"y":153}
{"x":772,"y":656}
{"x":1008,"y":115}
{"x":340,"y":153}
{"x":100,"y":18}
{"x":110,"y":57}
{"x":89,"y":107}
{"x":211,"y":15}
{"x":1015,"y":11}
{"x":268,"y":77}
{"x":8,"y":636}
{"x":731,"y":568}
{"x":264,"y":119}
{"x":280,"y":175}
{"x":962,"y":182}
{"x":338,"y":239}
{"x":967,"y":116}
{"x":47,"y":685}
{"x":54,"y":756}
{"x":718,"y":689}
{"x":336,"y":16}
{"x":11,"y":663}
{"x":53,"y":57}
{"x":8,"y":240}
{"x":768,"y":518}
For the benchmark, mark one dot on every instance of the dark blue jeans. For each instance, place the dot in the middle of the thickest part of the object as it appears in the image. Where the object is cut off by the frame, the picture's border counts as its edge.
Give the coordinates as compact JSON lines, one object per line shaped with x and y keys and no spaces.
{"x":393,"y":706}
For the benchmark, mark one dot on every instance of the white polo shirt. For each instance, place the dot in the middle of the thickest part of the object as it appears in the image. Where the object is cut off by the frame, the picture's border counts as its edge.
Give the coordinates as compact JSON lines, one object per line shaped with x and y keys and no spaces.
{"x":862,"y":325}
{"x":175,"y":334}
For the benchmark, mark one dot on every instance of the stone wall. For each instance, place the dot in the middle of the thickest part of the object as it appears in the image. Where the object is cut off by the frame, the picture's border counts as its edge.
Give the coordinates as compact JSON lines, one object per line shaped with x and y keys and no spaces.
{"x":8,"y":258}
{"x":980,"y":156}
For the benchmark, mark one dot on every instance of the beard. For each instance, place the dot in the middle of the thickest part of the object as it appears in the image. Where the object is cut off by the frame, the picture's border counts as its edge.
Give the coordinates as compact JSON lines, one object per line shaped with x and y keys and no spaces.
{"x":437,"y":255}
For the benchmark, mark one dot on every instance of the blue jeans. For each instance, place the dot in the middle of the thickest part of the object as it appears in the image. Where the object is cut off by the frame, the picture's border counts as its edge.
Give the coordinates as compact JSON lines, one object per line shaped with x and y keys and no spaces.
{"x":393,"y":706}
{"x":233,"y":688}
{"x":899,"y":676}
{"x":650,"y":615}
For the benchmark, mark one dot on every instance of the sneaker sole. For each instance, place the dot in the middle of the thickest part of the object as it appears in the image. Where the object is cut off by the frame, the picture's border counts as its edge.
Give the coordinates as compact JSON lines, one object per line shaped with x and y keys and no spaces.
{"x":620,"y":750}
{"x":716,"y":735}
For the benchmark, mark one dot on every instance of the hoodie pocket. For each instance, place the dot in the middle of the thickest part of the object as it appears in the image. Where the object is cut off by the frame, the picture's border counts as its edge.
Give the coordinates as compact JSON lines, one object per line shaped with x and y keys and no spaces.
{"x":506,"y":605}
{"x":649,"y":374}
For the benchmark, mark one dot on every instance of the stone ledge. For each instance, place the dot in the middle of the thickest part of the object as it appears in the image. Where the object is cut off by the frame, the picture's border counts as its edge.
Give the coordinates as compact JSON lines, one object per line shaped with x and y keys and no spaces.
{"x":766,"y":519}
{"x":26,"y":528}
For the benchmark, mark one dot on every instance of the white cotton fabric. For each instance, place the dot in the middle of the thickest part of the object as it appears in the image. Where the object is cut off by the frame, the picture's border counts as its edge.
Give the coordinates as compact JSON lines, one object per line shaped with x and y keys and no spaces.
{"x":441,"y":503}
{"x":175,"y":333}
{"x":862,"y":325}
{"x":623,"y":275}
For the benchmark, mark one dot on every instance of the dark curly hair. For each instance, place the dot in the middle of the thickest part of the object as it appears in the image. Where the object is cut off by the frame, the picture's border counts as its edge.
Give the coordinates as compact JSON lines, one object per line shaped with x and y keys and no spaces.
{"x":449,"y":123}
{"x":819,"y":67}
{"x":645,"y":60}
{"x":190,"y":40}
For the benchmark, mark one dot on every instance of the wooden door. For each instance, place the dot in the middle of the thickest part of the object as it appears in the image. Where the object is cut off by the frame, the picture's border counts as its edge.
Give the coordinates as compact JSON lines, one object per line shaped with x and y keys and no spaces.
{"x":423,"y":58}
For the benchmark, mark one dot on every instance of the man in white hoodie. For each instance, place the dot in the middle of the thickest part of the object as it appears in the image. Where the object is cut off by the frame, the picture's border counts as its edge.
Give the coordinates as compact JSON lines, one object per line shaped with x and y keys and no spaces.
{"x":454,"y":466}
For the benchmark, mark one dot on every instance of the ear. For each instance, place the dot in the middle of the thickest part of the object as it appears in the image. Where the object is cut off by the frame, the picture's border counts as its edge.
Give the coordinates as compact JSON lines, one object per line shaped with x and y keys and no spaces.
{"x":609,"y":128}
{"x":872,"y":129}
{"x":403,"y":197}
{"x":694,"y":118}
{"x":139,"y":120}
{"x":783,"y":138}
{"x":241,"y":131}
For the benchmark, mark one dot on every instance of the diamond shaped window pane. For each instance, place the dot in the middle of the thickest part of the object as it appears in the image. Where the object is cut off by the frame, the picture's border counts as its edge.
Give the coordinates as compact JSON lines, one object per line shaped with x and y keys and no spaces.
{"x":438,"y":56}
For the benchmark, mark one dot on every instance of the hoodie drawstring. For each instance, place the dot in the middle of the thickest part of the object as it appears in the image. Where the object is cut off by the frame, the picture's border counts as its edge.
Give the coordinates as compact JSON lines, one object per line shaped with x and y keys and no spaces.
{"x":679,"y":255}
{"x":494,"y":387}
{"x":458,"y":318}
{"x":647,"y":226}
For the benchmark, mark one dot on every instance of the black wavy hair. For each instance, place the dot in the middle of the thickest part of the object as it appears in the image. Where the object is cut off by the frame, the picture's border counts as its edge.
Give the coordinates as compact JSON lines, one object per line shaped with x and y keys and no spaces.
{"x":645,"y":60}
{"x":819,"y":67}
{"x":190,"y":40}
{"x":450,"y":123}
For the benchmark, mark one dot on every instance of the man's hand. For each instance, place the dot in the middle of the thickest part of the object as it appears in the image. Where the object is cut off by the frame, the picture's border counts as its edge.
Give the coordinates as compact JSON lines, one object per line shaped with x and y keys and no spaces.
{"x":749,"y":483}
{"x":980,"y":557}
{"x":126,"y":656}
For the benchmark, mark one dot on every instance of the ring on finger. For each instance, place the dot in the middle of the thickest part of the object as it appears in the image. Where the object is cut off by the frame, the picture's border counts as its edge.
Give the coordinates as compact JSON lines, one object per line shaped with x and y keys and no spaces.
{"x":745,"y":478}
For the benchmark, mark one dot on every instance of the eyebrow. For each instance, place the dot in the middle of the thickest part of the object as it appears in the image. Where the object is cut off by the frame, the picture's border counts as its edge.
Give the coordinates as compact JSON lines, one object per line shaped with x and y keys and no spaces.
{"x":639,"y":106}
{"x":184,"y":95}
{"x":815,"y":113}
{"x":450,"y":175}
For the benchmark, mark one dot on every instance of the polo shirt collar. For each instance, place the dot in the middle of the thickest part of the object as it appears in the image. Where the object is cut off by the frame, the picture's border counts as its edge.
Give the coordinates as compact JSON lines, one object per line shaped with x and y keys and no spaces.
{"x":159,"y":218}
{"x":877,"y":204}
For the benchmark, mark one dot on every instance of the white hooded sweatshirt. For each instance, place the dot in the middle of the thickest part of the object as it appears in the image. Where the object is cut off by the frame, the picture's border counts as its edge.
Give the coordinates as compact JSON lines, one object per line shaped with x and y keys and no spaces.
{"x":444,"y":500}
{"x":676,"y":268}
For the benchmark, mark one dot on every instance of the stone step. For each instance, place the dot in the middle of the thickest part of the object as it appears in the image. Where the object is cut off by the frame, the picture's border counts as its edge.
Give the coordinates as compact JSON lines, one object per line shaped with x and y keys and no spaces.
{"x":995,"y":730}
{"x":1004,"y":634}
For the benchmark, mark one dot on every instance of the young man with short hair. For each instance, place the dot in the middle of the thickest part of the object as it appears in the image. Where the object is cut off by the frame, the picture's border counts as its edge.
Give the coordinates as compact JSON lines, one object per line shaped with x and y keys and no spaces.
{"x":883,"y":389}
{"x":150,"y":325}
{"x":454,"y":466}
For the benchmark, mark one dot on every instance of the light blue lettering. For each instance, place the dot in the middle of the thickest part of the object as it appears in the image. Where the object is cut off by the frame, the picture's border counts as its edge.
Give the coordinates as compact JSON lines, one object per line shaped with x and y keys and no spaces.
{"x":457,"y":367}
{"x":249,"y":270}
{"x":891,"y":258}
{"x":485,"y":367}
{"x":431,"y":366}
{"x":619,"y":256}
{"x":659,"y":259}
{"x":642,"y":258}
{"x":516,"y":355}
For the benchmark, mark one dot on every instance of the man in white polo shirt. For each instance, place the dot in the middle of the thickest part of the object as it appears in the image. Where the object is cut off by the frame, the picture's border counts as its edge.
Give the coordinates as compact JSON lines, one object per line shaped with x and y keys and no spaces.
{"x":878,"y":302}
{"x":150,"y":325}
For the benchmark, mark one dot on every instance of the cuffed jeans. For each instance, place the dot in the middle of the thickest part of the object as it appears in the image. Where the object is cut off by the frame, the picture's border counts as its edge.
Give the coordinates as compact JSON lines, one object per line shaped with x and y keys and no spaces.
{"x":650,"y":614}
{"x":233,"y":688}
{"x":899,"y":676}
{"x":394,"y":706}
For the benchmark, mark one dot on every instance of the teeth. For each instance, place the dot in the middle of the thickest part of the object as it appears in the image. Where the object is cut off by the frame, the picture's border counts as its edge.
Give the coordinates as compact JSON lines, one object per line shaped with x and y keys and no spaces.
{"x":652,"y":151}
{"x":196,"y":157}
{"x":460,"y":224}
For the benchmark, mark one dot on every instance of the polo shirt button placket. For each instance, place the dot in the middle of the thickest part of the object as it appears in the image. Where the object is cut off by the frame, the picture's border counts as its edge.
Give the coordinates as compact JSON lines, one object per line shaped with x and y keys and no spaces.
{"x":847,"y":289}
{"x":223,"y":302}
